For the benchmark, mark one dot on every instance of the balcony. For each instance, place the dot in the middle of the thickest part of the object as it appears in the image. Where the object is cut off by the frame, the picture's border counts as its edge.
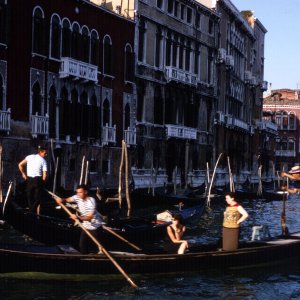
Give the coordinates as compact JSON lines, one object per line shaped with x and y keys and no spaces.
{"x":174,"y":74}
{"x":108,"y":134}
{"x":285,"y":153}
{"x":181,"y":132}
{"x":130,"y":136}
{"x":78,"y":69}
{"x":268,"y":126}
{"x":39,"y":125}
{"x":5,"y":120}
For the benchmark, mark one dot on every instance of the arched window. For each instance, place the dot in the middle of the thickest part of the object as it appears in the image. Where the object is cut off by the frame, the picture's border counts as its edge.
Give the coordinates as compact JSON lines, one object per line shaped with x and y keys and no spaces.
{"x":127,"y":117}
{"x":85,"y":45}
{"x":106,"y":113}
{"x":66,"y":39}
{"x":107,"y":56}
{"x":55,"y":37}
{"x":94,"y":48}
{"x":39,"y":45}
{"x":158,"y":106}
{"x":285,"y":120}
{"x":75,"y":42}
{"x":36,"y":99}
{"x":129,"y":64}
{"x":52,"y":112}
{"x":292,"y":121}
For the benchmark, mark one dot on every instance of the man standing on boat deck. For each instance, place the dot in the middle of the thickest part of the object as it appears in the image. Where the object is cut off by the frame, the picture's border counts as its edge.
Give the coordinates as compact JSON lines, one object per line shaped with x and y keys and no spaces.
{"x":91,"y":218}
{"x":35,"y":176}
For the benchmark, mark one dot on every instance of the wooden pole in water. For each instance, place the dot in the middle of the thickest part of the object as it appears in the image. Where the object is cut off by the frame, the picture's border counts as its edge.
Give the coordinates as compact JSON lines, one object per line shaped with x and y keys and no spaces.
{"x":82,"y":168}
{"x":126,"y":181}
{"x":55,"y":175}
{"x":86,"y":176}
{"x":212,"y":179}
{"x":101,"y":248}
{"x":120,"y":175}
{"x":1,"y":175}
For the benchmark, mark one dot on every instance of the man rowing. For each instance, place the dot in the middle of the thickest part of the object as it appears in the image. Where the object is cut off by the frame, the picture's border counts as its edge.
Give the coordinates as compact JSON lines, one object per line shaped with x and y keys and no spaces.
{"x":294,"y":175}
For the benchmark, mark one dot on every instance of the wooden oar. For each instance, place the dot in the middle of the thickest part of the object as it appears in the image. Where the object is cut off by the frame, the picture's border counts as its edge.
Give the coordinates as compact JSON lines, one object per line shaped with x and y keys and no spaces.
{"x":121,"y":238}
{"x":101,"y":248}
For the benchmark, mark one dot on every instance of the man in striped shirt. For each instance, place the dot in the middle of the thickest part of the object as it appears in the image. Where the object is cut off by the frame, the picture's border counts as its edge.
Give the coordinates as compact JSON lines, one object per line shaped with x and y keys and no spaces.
{"x":90,"y":217}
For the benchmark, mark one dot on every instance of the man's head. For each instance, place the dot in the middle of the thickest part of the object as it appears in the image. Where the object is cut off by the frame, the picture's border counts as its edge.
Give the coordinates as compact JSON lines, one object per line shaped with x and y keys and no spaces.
{"x":82,"y":191}
{"x":42,"y":151}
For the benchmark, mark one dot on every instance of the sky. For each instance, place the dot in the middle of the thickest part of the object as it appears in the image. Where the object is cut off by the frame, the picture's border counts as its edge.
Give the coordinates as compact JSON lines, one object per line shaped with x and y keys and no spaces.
{"x":282,"y":41}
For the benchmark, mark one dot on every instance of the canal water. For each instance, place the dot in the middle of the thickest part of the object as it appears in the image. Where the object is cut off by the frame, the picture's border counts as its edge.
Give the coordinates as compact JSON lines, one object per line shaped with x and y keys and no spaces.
{"x":280,"y":281}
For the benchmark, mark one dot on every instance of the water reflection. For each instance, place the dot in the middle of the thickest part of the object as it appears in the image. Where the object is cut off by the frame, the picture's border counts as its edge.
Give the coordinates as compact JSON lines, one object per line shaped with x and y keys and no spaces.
{"x":276,"y":282}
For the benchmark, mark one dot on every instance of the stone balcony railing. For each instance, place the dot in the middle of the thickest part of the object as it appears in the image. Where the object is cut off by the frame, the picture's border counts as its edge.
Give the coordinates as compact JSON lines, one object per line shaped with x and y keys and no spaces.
{"x":175,"y":74}
{"x":267,"y":126}
{"x":108,"y":134}
{"x":78,"y":69}
{"x":39,"y":125}
{"x":181,"y":132}
{"x":285,"y":153}
{"x":130,"y":136}
{"x":5,"y":117}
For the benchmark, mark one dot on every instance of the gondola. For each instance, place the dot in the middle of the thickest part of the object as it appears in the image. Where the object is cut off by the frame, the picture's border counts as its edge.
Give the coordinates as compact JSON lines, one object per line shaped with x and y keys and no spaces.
{"x":58,"y":229}
{"x":66,"y":260}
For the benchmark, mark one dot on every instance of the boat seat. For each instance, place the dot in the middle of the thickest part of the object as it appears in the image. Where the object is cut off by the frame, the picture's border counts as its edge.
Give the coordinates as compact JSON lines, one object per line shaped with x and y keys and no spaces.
{"x":260,"y":232}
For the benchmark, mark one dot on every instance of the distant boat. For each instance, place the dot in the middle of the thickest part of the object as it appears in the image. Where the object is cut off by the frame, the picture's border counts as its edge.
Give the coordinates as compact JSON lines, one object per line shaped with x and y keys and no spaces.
{"x":66,"y":260}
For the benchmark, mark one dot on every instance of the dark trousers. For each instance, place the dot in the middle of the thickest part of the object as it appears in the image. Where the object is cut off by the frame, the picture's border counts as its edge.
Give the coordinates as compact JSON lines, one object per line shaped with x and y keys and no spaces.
{"x":34,"y":192}
{"x":86,"y":244}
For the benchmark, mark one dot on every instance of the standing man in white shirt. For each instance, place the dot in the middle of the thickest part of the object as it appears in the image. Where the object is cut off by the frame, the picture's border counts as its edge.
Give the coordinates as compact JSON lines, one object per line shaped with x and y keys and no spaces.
{"x":35,"y":176}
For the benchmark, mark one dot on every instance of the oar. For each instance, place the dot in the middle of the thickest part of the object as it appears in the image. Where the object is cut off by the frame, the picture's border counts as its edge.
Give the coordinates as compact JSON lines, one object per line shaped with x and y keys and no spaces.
{"x":101,"y":248}
{"x":121,"y":238}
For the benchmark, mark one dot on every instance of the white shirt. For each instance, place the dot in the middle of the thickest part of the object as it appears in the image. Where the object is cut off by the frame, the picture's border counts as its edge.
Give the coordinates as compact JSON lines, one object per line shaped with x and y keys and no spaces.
{"x":86,"y":206}
{"x":36,"y":165}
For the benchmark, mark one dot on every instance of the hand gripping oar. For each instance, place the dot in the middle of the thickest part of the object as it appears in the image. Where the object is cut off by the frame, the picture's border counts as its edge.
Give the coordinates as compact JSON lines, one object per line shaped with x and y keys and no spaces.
{"x":101,"y":248}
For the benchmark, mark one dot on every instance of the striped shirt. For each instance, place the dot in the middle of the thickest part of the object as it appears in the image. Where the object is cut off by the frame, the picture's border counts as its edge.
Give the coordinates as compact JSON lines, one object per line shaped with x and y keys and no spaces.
{"x":85,"y":207}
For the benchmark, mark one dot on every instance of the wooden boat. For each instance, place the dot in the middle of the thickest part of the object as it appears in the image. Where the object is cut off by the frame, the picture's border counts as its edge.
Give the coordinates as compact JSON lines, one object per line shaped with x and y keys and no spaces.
{"x":59,"y":229}
{"x":66,"y":260}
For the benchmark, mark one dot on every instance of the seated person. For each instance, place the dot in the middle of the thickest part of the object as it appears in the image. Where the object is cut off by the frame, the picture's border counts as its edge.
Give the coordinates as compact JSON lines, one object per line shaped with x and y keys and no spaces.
{"x":176,"y":231}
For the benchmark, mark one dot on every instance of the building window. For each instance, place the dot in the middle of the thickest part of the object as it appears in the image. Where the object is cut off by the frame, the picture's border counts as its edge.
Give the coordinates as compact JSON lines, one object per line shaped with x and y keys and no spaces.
{"x":52,"y":112}
{"x":158,"y":46}
{"x":105,"y":166}
{"x":94,"y":48}
{"x":142,"y":35}
{"x":159,"y":4}
{"x":182,"y":12}
{"x":66,"y":39}
{"x":106,"y":113}
{"x":158,"y":107}
{"x":107,"y":56}
{"x":127,"y":116}
{"x":3,"y":23}
{"x":292,"y":122}
{"x":188,"y":56}
{"x":72,"y":165}
{"x":170,"y":6}
{"x":85,"y":45}
{"x":36,"y":99}
{"x":189,"y":15}
{"x":168,"y":49}
{"x":39,"y":44}
{"x":75,"y":42}
{"x":129,"y":64}
{"x":197,"y":19}
{"x":1,"y":94}
{"x":175,"y":50}
{"x":210,"y":27}
{"x":55,"y":37}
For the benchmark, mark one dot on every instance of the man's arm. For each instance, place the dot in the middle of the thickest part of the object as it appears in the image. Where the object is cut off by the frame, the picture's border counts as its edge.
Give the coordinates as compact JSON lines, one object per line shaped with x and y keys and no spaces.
{"x":44,"y":176}
{"x":22,"y":166}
